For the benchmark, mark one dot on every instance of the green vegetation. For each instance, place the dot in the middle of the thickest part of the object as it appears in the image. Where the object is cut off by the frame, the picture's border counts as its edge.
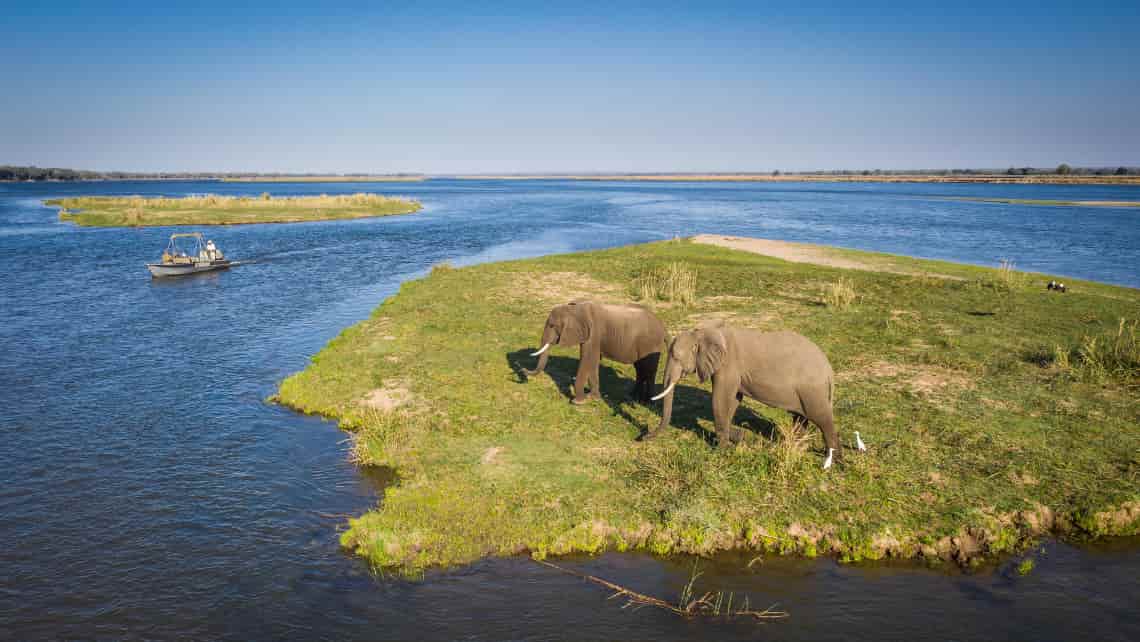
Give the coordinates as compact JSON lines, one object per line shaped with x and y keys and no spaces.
{"x":136,"y":211}
{"x":979,"y":439}
{"x":1025,"y":567}
{"x":335,"y":178}
{"x":673,"y":282}
{"x":839,"y":293}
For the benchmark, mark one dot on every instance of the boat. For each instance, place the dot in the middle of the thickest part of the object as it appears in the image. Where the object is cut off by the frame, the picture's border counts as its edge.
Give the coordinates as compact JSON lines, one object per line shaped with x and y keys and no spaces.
{"x":177,"y":261}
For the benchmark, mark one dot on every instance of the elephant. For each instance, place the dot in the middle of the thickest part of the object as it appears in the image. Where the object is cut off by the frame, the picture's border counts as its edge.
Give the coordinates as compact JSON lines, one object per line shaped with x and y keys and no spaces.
{"x":781,"y":369}
{"x":624,"y":333}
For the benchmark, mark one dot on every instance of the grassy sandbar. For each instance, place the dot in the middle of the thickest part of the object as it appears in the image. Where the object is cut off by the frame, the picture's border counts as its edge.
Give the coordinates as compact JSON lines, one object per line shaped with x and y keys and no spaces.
{"x":137,"y":211}
{"x":995,"y":411}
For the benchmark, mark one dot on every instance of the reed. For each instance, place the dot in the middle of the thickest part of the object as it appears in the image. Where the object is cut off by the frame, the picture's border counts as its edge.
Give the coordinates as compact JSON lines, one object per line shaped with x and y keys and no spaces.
{"x":674,"y":282}
{"x":839,"y":294}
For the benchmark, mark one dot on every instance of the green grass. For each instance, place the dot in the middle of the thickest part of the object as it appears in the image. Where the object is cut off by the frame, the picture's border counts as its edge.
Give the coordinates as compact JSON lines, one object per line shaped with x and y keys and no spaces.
{"x":978,"y":441}
{"x":136,"y":211}
{"x":363,"y":178}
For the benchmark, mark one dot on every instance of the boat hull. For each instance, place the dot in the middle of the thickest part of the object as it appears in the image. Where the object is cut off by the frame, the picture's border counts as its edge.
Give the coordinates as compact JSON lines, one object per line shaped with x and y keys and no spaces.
{"x":163,"y":270}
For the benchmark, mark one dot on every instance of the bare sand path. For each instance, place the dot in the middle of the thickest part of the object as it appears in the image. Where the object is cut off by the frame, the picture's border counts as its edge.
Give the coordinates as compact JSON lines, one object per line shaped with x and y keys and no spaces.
{"x":805,"y":253}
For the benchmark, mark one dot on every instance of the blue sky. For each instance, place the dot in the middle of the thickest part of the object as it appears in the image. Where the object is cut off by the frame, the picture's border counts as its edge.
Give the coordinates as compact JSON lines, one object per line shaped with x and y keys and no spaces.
{"x":523,"y":87}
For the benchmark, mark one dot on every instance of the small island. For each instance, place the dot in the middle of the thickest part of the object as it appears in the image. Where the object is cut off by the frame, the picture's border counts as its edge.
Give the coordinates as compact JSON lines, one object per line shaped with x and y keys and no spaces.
{"x":329,"y":178}
{"x":138,"y":211}
{"x":995,"y":411}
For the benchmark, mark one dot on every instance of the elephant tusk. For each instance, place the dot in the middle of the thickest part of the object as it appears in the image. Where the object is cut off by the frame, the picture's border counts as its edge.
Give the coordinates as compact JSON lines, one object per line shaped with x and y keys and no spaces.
{"x":827,"y":462}
{"x":665,"y":391}
{"x":540,"y":350}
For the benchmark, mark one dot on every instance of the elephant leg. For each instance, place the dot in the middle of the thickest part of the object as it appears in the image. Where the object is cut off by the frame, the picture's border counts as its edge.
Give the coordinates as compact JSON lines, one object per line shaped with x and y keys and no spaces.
{"x":826,"y":423}
{"x":725,"y":403}
{"x":646,"y":375}
{"x":588,"y":362}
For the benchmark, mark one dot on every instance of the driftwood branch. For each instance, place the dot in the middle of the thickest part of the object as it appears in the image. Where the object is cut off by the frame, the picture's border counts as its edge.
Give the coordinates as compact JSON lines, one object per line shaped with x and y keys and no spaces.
{"x":708,"y":604}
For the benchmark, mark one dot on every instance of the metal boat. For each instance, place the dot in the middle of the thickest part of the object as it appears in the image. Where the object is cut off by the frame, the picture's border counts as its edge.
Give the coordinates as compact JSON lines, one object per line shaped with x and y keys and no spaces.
{"x":179,"y":260}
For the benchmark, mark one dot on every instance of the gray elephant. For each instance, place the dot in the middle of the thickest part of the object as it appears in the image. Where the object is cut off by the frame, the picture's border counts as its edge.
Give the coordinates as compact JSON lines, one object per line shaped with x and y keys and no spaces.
{"x":624,"y":333}
{"x":781,"y":369}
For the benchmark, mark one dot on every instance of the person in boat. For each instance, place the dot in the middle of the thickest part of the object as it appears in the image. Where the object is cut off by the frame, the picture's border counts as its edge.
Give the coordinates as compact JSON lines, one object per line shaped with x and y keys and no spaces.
{"x":212,"y":251}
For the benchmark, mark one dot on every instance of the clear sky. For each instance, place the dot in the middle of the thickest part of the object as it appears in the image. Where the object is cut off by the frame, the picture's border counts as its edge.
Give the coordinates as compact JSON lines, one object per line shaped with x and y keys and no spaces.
{"x":524,"y":87}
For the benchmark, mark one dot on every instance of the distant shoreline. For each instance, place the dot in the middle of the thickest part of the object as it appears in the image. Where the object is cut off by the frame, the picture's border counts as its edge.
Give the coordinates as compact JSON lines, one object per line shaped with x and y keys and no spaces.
{"x":932,"y":176}
{"x":324,"y":179}
{"x":822,"y":178}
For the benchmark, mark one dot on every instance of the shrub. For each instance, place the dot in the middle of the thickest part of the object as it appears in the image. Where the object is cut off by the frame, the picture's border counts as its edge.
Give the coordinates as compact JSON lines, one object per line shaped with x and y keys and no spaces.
{"x":839,"y":293}
{"x":674,"y":282}
{"x":442,"y":268}
{"x":1110,"y":355}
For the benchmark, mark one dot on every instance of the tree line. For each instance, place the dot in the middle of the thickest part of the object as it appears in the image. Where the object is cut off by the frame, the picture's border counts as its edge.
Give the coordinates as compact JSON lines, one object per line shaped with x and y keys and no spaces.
{"x":33,"y":173}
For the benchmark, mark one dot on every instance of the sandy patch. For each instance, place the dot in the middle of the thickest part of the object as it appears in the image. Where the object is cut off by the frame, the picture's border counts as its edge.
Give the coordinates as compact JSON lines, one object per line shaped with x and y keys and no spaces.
{"x":803,"y":253}
{"x":393,"y":395}
{"x":726,"y":298}
{"x":563,"y":287}
{"x":763,"y":320}
{"x":490,"y":454}
{"x":924,"y":380}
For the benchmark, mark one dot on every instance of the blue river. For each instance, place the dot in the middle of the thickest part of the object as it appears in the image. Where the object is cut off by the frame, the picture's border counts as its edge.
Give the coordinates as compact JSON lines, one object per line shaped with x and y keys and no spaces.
{"x":150,"y":491}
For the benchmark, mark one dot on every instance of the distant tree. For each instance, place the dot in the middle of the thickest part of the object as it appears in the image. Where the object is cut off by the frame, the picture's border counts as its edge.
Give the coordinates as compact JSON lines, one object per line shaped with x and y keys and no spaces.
{"x":775,"y":172}
{"x":1064,"y":170}
{"x":1011,"y":171}
{"x":1122,"y":171}
{"x":866,"y":172}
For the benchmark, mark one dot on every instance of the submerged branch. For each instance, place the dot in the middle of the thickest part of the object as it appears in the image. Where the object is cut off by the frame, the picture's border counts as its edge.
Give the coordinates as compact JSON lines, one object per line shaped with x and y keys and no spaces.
{"x":708,"y":604}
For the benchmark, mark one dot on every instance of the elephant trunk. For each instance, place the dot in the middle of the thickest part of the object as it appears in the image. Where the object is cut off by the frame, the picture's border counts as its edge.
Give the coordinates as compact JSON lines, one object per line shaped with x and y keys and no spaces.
{"x":548,"y":339}
{"x":673,"y":373}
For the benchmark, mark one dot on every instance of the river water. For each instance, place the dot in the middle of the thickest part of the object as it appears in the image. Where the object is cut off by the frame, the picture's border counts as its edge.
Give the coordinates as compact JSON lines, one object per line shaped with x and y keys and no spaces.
{"x":150,"y":492}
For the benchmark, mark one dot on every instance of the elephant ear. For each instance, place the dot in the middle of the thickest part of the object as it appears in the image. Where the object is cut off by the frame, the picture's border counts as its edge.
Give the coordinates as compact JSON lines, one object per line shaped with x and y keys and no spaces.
{"x":577,"y":323}
{"x":711,"y":349}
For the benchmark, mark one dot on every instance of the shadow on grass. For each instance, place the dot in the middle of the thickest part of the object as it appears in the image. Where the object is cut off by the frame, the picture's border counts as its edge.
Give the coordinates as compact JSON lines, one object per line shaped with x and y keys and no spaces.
{"x":690,"y":404}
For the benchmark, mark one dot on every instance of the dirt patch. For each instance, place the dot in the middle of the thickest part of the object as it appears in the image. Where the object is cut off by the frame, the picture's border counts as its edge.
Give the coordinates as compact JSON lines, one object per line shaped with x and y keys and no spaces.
{"x":393,"y":395}
{"x":804,"y":253}
{"x":490,"y":454}
{"x":757,"y":320}
{"x":923,"y":380}
{"x":562,"y":287}
{"x":726,"y":298}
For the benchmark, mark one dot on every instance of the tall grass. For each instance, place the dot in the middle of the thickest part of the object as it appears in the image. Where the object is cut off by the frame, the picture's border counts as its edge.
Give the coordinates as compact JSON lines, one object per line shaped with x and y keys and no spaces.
{"x":675,"y":282}
{"x":1008,"y":277}
{"x":1111,"y":355}
{"x":839,"y":294}
{"x":1108,"y":356}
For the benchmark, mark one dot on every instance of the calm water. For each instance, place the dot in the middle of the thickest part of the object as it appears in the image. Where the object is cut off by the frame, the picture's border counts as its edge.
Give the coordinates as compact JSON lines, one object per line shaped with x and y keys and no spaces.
{"x":148,"y":490}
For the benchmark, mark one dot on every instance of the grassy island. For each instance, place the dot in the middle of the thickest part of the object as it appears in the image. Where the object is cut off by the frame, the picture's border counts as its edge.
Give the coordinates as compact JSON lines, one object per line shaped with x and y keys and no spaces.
{"x":334,"y":178}
{"x":995,"y":411}
{"x":137,"y":211}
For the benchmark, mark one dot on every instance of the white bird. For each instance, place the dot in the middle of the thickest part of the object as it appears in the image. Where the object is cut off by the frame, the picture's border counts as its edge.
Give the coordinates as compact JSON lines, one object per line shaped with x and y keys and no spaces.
{"x":859,"y":442}
{"x":827,"y":462}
